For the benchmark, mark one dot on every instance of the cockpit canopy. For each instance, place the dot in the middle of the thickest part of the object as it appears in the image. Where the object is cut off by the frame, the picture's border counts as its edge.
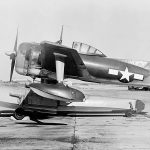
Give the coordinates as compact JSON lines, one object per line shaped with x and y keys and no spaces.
{"x":86,"y":49}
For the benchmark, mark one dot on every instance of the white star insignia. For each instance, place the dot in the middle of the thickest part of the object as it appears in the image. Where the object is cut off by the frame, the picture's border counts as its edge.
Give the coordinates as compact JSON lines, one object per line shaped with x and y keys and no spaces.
{"x":125,"y":74}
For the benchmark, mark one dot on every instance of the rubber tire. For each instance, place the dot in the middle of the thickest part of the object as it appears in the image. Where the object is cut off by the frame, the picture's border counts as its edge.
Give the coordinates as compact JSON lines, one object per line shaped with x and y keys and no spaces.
{"x":18,"y":116}
{"x":128,"y":114}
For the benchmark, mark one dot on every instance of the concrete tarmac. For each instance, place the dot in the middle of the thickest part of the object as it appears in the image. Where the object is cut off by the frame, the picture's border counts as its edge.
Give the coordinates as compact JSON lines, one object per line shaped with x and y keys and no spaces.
{"x":70,"y":133}
{"x":82,"y":133}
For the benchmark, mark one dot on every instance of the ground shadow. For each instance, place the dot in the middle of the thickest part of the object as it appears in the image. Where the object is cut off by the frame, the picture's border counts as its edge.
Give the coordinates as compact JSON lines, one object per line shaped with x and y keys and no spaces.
{"x":42,"y":123}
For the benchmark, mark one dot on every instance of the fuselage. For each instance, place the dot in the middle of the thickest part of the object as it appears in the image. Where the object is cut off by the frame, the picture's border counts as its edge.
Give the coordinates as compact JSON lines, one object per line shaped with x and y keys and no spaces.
{"x":99,"y":67}
{"x":28,"y":62}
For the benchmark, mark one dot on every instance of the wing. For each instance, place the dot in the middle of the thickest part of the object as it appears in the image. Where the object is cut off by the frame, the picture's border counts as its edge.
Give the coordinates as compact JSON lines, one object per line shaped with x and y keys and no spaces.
{"x":57,"y":92}
{"x":74,"y":65}
{"x":47,"y":97}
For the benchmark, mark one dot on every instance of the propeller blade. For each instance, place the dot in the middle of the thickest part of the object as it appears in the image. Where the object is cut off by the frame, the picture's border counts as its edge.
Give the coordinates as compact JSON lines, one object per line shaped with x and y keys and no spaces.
{"x":12,"y":68}
{"x":13,"y":57}
{"x":16,"y":41}
{"x":7,"y":54}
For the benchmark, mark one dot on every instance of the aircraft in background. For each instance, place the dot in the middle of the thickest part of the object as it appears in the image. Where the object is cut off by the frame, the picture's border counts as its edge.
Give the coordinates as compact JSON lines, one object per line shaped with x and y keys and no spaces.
{"x":53,"y":62}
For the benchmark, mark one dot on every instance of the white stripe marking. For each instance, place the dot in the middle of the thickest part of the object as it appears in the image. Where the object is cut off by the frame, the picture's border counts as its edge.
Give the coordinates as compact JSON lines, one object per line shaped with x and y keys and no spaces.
{"x":138,"y":76}
{"x":113,"y":71}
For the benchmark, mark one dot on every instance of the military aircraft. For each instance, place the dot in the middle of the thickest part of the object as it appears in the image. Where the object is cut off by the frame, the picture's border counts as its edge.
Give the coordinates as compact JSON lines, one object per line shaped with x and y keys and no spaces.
{"x":53,"y":62}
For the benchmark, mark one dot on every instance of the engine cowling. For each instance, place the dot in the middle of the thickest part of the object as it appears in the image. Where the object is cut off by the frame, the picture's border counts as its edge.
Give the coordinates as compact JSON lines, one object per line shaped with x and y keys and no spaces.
{"x":27,"y":59}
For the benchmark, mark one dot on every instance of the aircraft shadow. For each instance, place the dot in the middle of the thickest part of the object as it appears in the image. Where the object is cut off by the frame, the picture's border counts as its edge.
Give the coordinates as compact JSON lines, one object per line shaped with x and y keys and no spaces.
{"x":42,"y":123}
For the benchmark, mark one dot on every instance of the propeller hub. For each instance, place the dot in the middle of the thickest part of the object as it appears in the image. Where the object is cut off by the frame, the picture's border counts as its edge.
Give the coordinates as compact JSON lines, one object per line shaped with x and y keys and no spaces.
{"x":12,"y":56}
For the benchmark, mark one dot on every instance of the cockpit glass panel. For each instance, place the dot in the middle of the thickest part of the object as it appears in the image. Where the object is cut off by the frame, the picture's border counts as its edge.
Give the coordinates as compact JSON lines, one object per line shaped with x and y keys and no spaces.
{"x":86,"y":49}
{"x":91,"y":50}
{"x":76,"y":45}
{"x":98,"y":52}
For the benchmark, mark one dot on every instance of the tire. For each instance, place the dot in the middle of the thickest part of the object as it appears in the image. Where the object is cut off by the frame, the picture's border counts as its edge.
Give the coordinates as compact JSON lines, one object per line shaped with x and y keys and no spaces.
{"x":128,"y":114}
{"x":18,"y":115}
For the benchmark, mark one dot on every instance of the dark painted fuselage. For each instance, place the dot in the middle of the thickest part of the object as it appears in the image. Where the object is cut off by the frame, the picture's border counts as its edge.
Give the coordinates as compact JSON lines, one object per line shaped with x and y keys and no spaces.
{"x":32,"y":57}
{"x":98,"y":67}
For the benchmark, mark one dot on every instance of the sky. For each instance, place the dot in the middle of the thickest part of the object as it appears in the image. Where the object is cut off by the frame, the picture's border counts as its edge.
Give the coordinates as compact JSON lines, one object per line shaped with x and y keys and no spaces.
{"x":119,"y":28}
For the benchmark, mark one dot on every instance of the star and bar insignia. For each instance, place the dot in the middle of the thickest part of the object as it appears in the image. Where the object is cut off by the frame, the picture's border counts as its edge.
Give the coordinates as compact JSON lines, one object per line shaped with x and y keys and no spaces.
{"x":125,"y":75}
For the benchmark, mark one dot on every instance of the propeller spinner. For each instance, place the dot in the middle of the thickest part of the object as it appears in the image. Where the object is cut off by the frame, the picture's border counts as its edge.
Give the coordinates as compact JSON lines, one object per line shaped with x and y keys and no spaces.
{"x":13,"y":57}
